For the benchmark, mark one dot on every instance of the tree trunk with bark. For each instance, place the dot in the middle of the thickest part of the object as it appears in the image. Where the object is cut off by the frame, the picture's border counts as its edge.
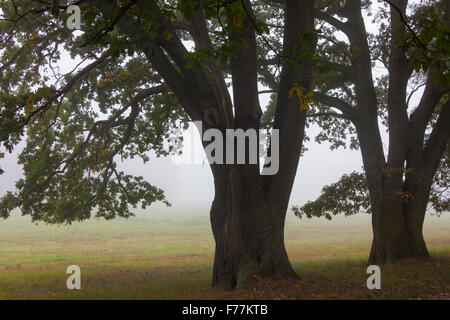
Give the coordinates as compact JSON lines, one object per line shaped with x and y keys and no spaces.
{"x":249,"y":209}
{"x":249,"y":241}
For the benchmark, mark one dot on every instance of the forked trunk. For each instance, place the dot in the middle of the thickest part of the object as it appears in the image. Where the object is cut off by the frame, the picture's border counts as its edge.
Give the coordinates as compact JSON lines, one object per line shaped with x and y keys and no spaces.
{"x":398,"y":208}
{"x":392,"y":242}
{"x":397,"y":228}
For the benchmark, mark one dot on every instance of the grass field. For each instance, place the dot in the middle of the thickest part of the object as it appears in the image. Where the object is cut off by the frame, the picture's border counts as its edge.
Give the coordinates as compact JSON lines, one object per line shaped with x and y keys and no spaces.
{"x":164,"y":254}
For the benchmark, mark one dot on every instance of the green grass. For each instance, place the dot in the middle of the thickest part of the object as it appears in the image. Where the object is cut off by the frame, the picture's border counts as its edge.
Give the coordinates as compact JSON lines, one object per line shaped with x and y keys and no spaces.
{"x":164,"y":254}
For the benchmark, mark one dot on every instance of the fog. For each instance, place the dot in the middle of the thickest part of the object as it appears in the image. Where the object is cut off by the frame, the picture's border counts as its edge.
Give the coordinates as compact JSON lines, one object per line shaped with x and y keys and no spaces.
{"x":192,"y":184}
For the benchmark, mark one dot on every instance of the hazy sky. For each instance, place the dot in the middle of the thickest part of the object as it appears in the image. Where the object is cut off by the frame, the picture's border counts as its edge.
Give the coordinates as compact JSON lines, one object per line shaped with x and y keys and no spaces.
{"x":193,"y":183}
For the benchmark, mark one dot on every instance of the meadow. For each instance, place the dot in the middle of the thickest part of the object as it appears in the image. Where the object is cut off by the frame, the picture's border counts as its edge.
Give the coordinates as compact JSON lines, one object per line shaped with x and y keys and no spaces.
{"x":168,"y":253}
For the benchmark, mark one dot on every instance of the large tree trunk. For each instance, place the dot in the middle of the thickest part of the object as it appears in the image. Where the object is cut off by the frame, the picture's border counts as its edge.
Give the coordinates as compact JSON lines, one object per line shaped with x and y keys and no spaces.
{"x":398,"y":213}
{"x":249,"y":209}
{"x":398,"y":208}
{"x":248,"y":240}
{"x":397,"y":235}
{"x":399,"y":201}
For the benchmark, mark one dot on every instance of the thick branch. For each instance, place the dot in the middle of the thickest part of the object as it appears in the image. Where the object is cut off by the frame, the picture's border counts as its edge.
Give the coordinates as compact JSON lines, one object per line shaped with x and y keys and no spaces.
{"x":161,"y":63}
{"x":342,"y":26}
{"x":202,"y":93}
{"x":329,"y":114}
{"x":333,"y":102}
{"x":432,"y":94}
{"x":200,"y":29}
{"x":244,"y":75}
{"x":398,"y":67}
{"x":438,"y":140}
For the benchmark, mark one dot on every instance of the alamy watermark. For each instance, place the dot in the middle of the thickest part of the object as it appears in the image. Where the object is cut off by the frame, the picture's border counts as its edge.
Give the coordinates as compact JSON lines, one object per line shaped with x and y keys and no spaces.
{"x":374,"y":281}
{"x":234,"y":146}
{"x":74,"y":280}
{"x":74,"y":20}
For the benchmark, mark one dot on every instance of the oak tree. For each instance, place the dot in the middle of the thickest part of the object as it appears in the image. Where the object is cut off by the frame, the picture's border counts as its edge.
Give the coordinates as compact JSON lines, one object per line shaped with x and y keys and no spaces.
{"x":145,"y":69}
{"x":411,"y":47}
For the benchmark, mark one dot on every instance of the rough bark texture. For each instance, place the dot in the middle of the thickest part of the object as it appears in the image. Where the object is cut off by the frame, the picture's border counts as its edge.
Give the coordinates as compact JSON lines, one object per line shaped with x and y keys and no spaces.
{"x":248,"y":241}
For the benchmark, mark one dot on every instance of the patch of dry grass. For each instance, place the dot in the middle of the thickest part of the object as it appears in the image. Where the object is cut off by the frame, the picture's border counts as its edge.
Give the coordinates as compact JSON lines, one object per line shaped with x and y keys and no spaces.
{"x":169,"y":256}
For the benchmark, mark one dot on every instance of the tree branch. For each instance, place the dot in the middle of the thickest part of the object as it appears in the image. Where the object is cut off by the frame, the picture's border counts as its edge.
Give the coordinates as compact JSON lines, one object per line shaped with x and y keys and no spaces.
{"x":110,"y":27}
{"x":433,"y":92}
{"x":328,"y":114}
{"x":342,"y":26}
{"x":438,"y":140}
{"x":347,"y":110}
{"x":244,"y":74}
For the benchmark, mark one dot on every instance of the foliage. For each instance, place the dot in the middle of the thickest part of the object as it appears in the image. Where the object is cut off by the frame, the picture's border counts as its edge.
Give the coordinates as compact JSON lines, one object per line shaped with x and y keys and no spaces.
{"x":440,"y":191}
{"x":347,"y":196}
{"x":79,"y":124}
{"x":112,"y":105}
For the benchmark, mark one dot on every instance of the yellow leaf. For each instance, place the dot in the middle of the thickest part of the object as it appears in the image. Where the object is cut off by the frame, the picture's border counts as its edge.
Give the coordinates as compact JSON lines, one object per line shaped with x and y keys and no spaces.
{"x":257,"y":277}
{"x":309,"y":94}
{"x":305,"y":99}
{"x":304,"y":105}
{"x":332,"y":295}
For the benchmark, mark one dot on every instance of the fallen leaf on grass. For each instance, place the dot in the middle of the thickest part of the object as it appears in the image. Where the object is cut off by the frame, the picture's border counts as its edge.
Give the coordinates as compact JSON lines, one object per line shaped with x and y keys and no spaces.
{"x":257,"y":277}
{"x":332,"y":295}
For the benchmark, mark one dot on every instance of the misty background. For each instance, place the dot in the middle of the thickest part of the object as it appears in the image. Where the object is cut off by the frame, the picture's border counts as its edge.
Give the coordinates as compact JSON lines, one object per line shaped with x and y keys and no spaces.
{"x":192,"y":184}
